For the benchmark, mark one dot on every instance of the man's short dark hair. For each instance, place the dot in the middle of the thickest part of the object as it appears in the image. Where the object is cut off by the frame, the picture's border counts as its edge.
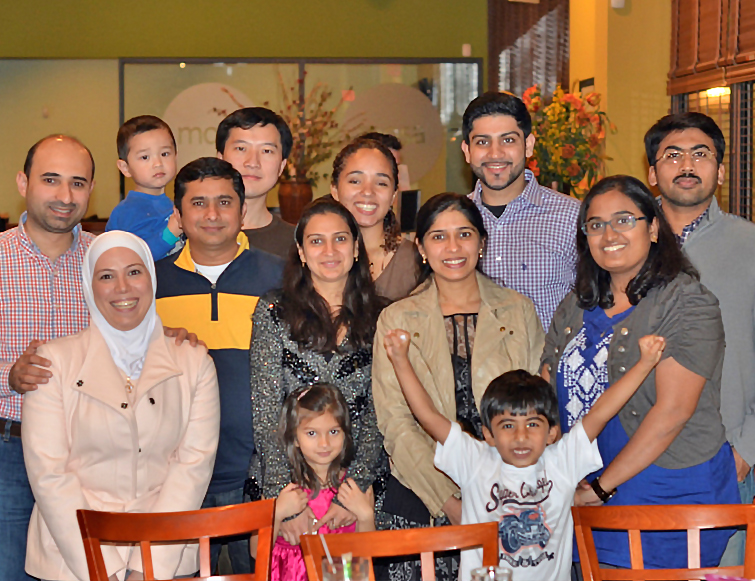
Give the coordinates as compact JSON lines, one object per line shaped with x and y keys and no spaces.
{"x":387,"y":139}
{"x":33,"y":150}
{"x":136,"y":126}
{"x":495,"y":103}
{"x":249,"y":117}
{"x":680,"y":122}
{"x":519,"y":393}
{"x":206,"y":168}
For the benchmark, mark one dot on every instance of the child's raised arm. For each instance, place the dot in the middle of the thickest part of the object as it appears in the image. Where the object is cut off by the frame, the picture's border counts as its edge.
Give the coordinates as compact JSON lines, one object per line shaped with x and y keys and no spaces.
{"x":614,"y":398}
{"x":434,"y":423}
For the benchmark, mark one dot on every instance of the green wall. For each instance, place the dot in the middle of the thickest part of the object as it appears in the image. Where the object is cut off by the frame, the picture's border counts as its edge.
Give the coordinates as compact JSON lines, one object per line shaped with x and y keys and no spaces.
{"x":242,"y":28}
{"x":39,"y":97}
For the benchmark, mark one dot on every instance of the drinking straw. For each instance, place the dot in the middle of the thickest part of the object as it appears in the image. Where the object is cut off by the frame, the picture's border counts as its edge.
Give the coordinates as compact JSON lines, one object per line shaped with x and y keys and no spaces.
{"x":327,"y":553}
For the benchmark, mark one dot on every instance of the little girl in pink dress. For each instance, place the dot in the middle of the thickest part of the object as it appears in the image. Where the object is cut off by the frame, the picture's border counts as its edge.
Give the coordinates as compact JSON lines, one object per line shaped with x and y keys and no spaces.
{"x":316,"y":433}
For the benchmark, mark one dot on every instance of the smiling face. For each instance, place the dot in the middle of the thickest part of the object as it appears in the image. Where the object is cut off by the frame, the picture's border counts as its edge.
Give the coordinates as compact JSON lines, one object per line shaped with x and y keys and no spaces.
{"x":620,"y":253}
{"x":58,"y":186}
{"x":122,"y":288}
{"x":151,"y":161}
{"x":328,"y":249}
{"x":211,"y":216}
{"x":497,"y":152}
{"x":690,"y":181}
{"x":256,"y":153}
{"x":366,"y":187}
{"x":451,"y":246}
{"x":320,"y":439}
{"x":520,"y":440}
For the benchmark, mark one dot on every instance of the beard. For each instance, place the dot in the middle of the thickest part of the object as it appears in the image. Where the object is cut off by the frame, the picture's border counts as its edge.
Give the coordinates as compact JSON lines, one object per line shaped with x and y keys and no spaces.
{"x":688,"y":198}
{"x":514,"y":173}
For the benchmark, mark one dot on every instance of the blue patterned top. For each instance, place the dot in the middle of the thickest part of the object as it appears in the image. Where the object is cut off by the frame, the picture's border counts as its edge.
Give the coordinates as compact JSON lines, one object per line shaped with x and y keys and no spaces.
{"x":582,"y":376}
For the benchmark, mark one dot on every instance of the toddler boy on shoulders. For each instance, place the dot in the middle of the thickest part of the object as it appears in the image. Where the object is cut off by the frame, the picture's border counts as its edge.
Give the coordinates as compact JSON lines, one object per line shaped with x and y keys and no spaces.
{"x":147,"y":155}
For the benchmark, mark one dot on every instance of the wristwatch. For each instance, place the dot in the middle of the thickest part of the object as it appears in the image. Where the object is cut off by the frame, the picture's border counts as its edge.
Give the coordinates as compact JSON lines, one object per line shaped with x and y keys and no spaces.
{"x":602,"y":494}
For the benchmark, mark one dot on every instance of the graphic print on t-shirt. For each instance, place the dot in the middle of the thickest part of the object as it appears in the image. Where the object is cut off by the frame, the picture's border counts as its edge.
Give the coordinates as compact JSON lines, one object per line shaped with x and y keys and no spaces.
{"x":523,"y":533}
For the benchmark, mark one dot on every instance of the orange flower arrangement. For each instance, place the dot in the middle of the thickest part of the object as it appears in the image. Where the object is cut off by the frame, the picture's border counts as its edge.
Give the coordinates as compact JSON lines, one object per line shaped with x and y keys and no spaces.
{"x":571,"y":134}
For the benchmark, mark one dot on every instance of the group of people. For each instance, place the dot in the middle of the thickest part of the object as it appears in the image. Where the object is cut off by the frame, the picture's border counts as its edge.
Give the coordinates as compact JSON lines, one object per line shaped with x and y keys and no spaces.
{"x":523,"y":352}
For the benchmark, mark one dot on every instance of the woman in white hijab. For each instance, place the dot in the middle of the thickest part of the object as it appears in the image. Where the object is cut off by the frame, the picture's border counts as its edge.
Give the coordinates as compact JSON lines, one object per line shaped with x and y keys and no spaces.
{"x":128,"y":422}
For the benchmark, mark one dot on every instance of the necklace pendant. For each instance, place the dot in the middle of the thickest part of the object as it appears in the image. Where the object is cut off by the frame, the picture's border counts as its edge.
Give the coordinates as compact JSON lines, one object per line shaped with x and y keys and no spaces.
{"x":129,"y":385}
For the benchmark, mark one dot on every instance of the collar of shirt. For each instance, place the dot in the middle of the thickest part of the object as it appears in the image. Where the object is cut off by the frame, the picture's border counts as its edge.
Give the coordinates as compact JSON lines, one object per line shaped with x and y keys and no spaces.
{"x":29,"y":244}
{"x":689,"y":228}
{"x":531,"y":194}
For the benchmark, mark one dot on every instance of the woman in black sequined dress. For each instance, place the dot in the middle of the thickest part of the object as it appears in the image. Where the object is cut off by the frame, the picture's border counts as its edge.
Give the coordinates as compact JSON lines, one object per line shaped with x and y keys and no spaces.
{"x":318,"y":328}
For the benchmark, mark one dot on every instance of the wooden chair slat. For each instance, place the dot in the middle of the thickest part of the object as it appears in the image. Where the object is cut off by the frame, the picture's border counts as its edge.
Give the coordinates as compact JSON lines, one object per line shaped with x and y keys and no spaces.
{"x":635,"y":550}
{"x":401,"y":543}
{"x":146,"y":550}
{"x":633,"y":519}
{"x":198,"y":525}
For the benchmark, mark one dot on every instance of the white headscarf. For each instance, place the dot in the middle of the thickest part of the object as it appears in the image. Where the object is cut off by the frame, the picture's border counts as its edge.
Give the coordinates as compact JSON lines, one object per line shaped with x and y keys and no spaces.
{"x":128,"y":348}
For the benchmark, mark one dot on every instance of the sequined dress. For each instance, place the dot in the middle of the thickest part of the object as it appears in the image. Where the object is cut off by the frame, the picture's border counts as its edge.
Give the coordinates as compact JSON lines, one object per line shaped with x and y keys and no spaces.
{"x":278,"y":367}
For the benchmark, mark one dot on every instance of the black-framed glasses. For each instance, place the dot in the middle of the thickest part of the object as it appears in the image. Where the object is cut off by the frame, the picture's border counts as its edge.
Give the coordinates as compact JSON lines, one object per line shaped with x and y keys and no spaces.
{"x":620,"y":223}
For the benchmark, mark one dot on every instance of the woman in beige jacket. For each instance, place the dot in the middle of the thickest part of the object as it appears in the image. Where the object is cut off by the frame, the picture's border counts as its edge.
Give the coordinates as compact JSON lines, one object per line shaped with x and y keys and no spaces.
{"x":128,"y":422}
{"x":465,"y":331}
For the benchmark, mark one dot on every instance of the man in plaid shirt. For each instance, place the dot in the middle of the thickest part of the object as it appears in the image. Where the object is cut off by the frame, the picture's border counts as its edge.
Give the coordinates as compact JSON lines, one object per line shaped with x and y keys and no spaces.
{"x":531,"y":245}
{"x":40,"y":286}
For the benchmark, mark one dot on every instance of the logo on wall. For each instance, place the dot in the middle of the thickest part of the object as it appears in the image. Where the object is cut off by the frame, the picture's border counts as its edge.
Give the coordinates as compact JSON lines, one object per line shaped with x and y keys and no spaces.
{"x":194,"y":115}
{"x":406,"y":113}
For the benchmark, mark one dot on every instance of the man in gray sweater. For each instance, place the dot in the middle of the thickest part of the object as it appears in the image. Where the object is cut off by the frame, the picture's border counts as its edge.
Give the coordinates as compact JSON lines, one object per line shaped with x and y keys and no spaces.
{"x":686,"y":152}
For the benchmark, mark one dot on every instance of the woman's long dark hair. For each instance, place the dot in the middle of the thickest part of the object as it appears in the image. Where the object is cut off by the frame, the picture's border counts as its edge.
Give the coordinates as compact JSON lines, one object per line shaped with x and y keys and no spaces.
{"x":312,"y":401}
{"x":664,"y":262}
{"x":391,"y":226}
{"x":308,"y":314}
{"x":430,"y":211}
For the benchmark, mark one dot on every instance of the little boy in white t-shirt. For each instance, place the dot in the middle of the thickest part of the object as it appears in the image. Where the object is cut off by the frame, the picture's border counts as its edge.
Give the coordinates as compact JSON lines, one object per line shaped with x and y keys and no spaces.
{"x":515,"y":477}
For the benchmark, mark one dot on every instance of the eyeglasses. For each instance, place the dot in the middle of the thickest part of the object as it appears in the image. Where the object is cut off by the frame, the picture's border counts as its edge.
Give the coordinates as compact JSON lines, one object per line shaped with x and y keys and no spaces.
{"x":676,"y":156}
{"x":620,"y":223}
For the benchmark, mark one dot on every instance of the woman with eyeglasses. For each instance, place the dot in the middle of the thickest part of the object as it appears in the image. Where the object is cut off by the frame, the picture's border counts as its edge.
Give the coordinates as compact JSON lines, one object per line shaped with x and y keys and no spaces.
{"x":668,"y":445}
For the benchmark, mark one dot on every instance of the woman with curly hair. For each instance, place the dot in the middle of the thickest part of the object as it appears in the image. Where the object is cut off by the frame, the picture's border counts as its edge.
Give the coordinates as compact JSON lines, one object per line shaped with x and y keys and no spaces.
{"x":365,"y":180}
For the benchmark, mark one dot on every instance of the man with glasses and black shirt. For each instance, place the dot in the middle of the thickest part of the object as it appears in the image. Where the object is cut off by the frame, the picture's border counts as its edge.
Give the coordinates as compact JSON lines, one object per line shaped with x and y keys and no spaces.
{"x":685,"y":152}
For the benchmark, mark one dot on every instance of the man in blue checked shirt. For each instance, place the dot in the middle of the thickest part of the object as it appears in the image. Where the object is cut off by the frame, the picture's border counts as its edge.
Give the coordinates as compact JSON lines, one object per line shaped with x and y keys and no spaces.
{"x":531,"y":229}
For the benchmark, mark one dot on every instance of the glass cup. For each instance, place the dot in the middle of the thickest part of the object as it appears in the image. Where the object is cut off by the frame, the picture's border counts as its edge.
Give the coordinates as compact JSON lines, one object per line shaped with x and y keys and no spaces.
{"x":491,"y":574}
{"x":359,"y":570}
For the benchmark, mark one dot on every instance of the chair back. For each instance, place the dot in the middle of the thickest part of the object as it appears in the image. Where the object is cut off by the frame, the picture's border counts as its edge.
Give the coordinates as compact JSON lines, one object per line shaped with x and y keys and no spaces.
{"x":422,"y":541}
{"x":691,"y":518}
{"x":166,"y":527}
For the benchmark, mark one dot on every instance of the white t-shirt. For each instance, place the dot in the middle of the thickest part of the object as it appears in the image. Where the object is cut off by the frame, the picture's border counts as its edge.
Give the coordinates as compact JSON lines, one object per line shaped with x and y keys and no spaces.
{"x":211,"y":273}
{"x":532,"y":505}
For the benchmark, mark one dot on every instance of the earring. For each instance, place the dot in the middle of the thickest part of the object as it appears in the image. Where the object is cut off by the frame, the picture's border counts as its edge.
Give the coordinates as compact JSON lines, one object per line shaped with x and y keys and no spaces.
{"x":654,"y":238}
{"x":303,"y":263}
{"x":424,"y":259}
{"x":481,"y":253}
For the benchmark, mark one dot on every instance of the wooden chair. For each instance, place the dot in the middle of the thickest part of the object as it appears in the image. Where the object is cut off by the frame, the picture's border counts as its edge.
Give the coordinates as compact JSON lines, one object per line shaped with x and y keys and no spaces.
{"x":201,"y":525}
{"x":422,"y":541}
{"x":633,"y":519}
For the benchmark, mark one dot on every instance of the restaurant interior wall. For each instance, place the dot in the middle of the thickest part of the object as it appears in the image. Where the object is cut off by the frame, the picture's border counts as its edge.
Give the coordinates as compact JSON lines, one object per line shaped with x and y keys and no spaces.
{"x":626,"y":52}
{"x":41,"y":41}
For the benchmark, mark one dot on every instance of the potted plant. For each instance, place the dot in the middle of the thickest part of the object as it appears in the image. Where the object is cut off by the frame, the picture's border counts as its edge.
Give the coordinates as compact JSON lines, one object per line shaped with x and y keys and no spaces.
{"x":317,"y":135}
{"x":571,"y":131}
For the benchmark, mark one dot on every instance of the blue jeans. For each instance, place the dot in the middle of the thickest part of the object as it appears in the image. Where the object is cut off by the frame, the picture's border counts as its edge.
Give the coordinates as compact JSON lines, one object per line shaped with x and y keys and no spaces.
{"x":16,"y":503}
{"x":238,"y":548}
{"x":735,"y":550}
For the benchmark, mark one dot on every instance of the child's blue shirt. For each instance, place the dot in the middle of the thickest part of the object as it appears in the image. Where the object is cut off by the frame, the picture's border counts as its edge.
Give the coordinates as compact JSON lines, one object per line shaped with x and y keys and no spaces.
{"x":146,"y":216}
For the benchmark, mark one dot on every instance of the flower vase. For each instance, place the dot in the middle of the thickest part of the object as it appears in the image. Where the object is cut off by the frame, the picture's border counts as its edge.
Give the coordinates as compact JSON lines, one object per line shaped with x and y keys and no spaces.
{"x":293,"y":196}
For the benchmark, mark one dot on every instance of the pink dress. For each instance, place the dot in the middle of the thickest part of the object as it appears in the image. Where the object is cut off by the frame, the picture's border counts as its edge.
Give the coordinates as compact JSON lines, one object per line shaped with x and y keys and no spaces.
{"x":287,"y":561}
